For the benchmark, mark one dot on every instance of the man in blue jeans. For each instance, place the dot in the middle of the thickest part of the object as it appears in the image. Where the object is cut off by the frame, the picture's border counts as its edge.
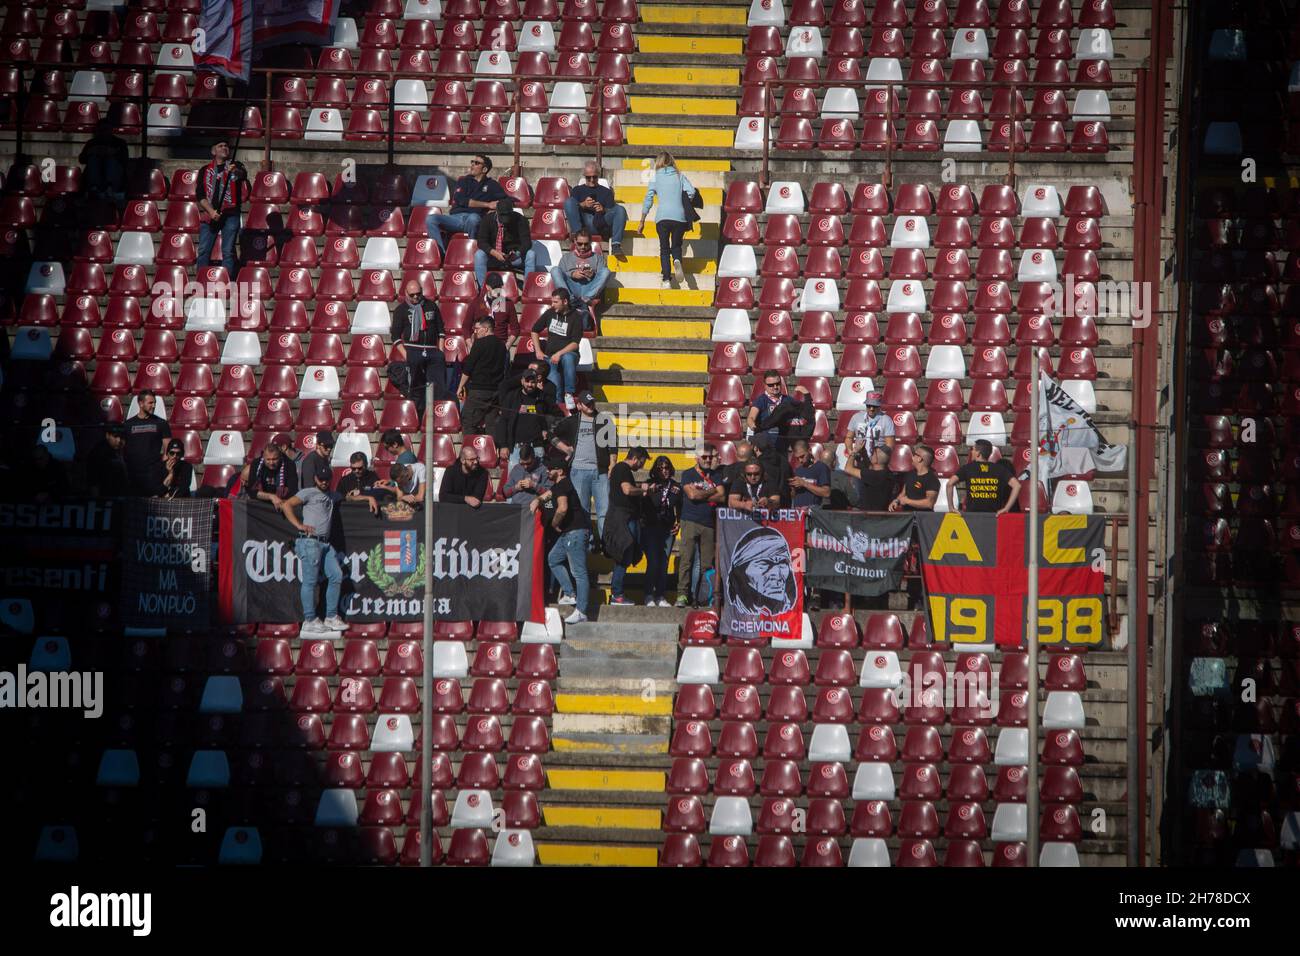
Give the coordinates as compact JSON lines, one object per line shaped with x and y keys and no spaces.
{"x":316,"y":553}
{"x":564,"y":326}
{"x":222,"y":186}
{"x":593,"y":207}
{"x":504,"y":243}
{"x":475,"y":194}
{"x":584,"y":272}
{"x":571,"y":521}
{"x":590,"y":438}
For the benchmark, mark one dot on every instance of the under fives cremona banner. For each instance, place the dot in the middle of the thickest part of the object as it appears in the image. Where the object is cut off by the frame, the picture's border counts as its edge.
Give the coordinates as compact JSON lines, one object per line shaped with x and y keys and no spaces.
{"x":975,"y":569}
{"x":487,"y":564}
{"x":761,"y":567}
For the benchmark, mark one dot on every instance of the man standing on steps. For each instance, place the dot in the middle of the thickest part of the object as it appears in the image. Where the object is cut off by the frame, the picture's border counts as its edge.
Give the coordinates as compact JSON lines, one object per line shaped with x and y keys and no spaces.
{"x":481,"y":377}
{"x":622,"y":525}
{"x":418,"y":328}
{"x":573,"y":525}
{"x":593,"y":207}
{"x":703,"y":491}
{"x":146,"y":442}
{"x":591,"y":439}
{"x":475,"y":194}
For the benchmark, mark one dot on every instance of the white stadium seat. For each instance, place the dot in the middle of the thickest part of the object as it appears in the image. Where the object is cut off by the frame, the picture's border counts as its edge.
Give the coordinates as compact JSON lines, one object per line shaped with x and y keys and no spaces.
{"x":381,"y":252}
{"x":963,"y":136}
{"x":134,"y":249}
{"x":536,"y":36}
{"x":325,"y":125}
{"x":738,"y":261}
{"x":987,"y":425}
{"x":411,"y":95}
{"x":881,"y":669}
{"x":513,"y":848}
{"x":371,"y":318}
{"x":241,"y":348}
{"x":450,"y":659}
{"x":530,"y":129}
{"x":819,"y":295}
{"x":32,"y":344}
{"x":205,"y":315}
{"x":969,"y":43}
{"x":731,"y":325}
{"x":345,"y":34}
{"x":337,"y":808}
{"x":910,"y":232}
{"x":393,"y":734}
{"x":88,"y":85}
{"x":749,"y":133}
{"x":346,"y":444}
{"x":852,"y":394}
{"x":1040,"y":200}
{"x":320,"y":381}
{"x":907,"y":296}
{"x":1072,"y":497}
{"x":945,"y":361}
{"x":164,"y":119}
{"x":224,"y":448}
{"x":45,"y":277}
{"x":783,"y":197}
{"x":473,"y":808}
{"x":815,"y":361}
{"x":699,"y":665}
{"x":873,"y":780}
{"x":766,"y":13}
{"x":731,"y":817}
{"x":431,"y":190}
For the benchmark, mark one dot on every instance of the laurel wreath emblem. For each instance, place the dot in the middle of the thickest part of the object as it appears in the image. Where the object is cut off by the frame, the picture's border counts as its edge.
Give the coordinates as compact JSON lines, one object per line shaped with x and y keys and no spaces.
{"x":386,"y":582}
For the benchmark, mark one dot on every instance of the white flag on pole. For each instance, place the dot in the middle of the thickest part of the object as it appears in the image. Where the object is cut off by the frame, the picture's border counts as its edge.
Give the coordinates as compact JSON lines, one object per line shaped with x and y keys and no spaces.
{"x":1069,"y":442}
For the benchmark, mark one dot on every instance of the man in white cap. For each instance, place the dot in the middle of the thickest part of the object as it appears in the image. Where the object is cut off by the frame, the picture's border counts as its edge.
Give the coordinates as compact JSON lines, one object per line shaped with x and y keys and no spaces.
{"x":870,"y":429}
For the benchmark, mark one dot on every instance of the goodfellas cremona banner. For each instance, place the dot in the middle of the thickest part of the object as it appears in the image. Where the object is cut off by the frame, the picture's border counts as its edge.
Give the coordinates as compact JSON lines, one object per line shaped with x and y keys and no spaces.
{"x":975,"y":569}
{"x":855,"y":553}
{"x":761,"y":568}
{"x":487,"y":564}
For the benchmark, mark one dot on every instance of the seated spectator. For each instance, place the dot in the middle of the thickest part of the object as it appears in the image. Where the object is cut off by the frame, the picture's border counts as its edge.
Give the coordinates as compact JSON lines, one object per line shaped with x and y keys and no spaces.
{"x":178,"y":474}
{"x":494,"y":304}
{"x":592,"y":207}
{"x":920,"y":485}
{"x":564,"y":326}
{"x":504,"y":242}
{"x":475,"y":194}
{"x":359,"y":479}
{"x":542,"y":369}
{"x":870,"y":428}
{"x":106,"y":464}
{"x":527,"y":479}
{"x":272,"y":477}
{"x":464,"y":483}
{"x":104,"y":159}
{"x":583,"y":272}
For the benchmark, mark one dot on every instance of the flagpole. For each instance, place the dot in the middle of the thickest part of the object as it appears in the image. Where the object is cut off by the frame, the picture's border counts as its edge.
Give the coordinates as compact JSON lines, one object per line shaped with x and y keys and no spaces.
{"x":1135,"y":854}
{"x":426,"y":712}
{"x":1031,"y":622}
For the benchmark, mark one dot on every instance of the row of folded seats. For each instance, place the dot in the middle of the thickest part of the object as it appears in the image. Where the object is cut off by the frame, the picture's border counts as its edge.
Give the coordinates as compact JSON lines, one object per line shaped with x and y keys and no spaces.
{"x":753,"y":695}
{"x":1011,"y":14}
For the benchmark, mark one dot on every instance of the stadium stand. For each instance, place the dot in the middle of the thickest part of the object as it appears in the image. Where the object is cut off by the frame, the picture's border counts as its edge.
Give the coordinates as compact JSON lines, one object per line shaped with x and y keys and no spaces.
{"x":894,"y":237}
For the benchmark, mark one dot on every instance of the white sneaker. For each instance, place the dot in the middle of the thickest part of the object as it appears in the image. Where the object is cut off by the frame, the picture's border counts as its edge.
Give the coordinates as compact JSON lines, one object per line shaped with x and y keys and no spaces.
{"x":577,"y":617}
{"x":314,"y":626}
{"x":334,"y":623}
{"x":650,"y":602}
{"x":569,"y":403}
{"x":568,"y":599}
{"x":665,"y":284}
{"x":662,"y":602}
{"x":681,"y":272}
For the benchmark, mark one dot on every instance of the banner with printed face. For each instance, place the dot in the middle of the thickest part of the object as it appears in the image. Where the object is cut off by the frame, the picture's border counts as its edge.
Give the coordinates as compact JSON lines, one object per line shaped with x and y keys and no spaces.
{"x":975,"y":571}
{"x":760,"y":570}
{"x":856,"y":553}
{"x":166,"y":562}
{"x":487,"y":564}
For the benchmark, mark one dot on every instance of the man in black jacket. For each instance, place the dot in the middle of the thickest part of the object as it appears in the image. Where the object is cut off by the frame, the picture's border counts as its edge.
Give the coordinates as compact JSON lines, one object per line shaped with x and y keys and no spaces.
{"x":417,"y":326}
{"x":525,"y":417}
{"x":466,"y":483}
{"x":503,"y":243}
{"x":481,"y":377}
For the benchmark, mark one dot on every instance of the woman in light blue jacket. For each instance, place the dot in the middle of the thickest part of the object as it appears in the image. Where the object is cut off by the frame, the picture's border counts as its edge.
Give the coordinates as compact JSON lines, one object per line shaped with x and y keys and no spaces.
{"x":670,"y":222}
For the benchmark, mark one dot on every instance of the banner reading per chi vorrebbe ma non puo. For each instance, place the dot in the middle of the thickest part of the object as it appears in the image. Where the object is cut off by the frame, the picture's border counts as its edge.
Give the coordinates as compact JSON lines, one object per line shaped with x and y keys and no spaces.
{"x":761,"y":568}
{"x":487,"y":564}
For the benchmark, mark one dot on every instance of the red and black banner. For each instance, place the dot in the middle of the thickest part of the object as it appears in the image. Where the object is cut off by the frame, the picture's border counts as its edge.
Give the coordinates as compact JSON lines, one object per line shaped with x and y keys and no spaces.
{"x":487,"y":564}
{"x":975,"y":569}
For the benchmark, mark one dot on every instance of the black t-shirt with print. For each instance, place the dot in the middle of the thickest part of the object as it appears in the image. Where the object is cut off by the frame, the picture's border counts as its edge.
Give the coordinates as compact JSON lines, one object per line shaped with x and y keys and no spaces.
{"x":622,"y":472}
{"x":915,"y":487}
{"x":987,"y":484}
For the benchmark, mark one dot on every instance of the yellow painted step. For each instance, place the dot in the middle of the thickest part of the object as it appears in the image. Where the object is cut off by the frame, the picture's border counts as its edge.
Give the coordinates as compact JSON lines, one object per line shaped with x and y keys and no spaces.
{"x":674,"y":297}
{"x":612,"y":704}
{"x":688,"y":395}
{"x":649,"y":328}
{"x":698,"y":230}
{"x":686,"y":165}
{"x":652,"y":361}
{"x":571,"y":745}
{"x":723,"y":16}
{"x":591,"y":854}
{"x":647,"y":430}
{"x":686,"y":136}
{"x":726,"y":46}
{"x":647,"y":781}
{"x":623,"y":818}
{"x":636,"y":194}
{"x":691,"y":76}
{"x":693,"y":266}
{"x":685,"y":105}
